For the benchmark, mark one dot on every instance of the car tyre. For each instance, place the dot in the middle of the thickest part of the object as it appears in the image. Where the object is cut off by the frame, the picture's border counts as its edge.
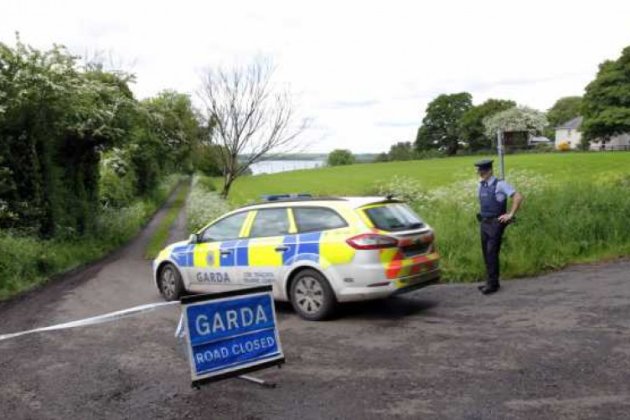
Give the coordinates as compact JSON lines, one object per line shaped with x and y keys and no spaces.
{"x":311,"y":296}
{"x":170,"y":282}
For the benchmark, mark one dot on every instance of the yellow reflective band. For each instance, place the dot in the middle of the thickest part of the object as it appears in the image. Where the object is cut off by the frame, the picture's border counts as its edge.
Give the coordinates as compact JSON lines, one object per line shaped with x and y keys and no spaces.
{"x":247,"y":225}
{"x":163,"y":254}
{"x":365,"y":218}
{"x":333,"y":248}
{"x":371,"y":206}
{"x":262,"y":252}
{"x":292,"y":226}
{"x":387,"y":256}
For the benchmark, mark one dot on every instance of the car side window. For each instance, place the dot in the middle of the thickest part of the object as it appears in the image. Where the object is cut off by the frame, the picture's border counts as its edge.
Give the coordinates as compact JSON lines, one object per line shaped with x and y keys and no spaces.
{"x":270,"y":222}
{"x":224,"y":229}
{"x":312,"y":219}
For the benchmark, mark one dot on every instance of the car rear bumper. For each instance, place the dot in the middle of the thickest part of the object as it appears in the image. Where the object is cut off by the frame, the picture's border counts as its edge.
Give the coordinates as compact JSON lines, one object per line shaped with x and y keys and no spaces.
{"x":389,"y":287}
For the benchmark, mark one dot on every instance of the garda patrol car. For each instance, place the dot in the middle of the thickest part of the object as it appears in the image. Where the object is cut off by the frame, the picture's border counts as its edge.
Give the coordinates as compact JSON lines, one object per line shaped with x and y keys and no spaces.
{"x":315,"y":252}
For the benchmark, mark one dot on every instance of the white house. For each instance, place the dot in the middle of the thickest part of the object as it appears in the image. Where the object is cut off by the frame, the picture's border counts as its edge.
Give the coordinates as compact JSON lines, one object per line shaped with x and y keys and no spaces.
{"x":570,"y":133}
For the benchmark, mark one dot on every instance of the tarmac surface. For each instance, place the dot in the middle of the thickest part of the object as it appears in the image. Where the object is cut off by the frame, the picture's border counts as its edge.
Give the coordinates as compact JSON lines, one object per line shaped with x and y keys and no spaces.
{"x":551,"y":347}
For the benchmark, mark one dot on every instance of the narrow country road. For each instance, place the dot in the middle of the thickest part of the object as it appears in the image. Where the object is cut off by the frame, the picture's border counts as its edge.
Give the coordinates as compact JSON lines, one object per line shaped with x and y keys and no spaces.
{"x":556,"y":346}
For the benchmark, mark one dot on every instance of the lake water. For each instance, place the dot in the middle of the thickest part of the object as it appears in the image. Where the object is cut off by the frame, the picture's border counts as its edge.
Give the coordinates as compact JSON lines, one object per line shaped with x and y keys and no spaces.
{"x":273,"y":166}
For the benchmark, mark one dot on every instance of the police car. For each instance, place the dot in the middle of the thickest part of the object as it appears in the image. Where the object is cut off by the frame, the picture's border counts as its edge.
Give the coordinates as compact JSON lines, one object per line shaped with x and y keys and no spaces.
{"x":315,"y":252}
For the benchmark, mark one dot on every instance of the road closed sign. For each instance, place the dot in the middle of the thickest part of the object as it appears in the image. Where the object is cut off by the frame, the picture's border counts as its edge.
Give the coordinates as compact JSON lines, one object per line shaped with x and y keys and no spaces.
{"x":231,"y":333}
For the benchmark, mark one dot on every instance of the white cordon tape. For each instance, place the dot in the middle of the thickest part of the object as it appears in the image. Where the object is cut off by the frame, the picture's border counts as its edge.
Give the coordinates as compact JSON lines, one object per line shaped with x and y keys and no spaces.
{"x":100,"y":319}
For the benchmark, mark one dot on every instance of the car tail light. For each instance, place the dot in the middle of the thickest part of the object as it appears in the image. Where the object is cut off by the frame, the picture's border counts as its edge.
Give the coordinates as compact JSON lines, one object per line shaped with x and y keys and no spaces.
{"x":428,"y":237}
{"x":372,"y":241}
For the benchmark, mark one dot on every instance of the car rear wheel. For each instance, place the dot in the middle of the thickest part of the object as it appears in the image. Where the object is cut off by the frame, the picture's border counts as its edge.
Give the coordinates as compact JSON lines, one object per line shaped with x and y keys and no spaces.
{"x":311,"y":296}
{"x":170,"y":282}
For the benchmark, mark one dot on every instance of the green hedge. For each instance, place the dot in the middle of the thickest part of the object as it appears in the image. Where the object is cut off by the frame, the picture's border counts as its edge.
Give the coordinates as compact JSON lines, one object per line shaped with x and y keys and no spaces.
{"x":26,"y":261}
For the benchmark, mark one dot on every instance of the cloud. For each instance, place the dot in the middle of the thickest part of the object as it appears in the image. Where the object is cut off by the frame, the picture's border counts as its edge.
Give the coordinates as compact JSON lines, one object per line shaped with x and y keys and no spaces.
{"x":396,"y":124}
{"x":352,"y":104}
{"x":366,"y":79}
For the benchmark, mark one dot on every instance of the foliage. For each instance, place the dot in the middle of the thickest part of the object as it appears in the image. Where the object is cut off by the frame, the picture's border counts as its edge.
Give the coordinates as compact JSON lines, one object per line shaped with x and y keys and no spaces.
{"x":59,"y":120}
{"x":606,"y":103}
{"x":401,"y":151}
{"x":203,"y":204}
{"x":440,"y":126}
{"x":339,"y":157}
{"x":472,"y":130}
{"x":565,"y":109}
{"x":117,"y":181}
{"x":178,"y":127}
{"x":54,"y":121}
{"x":26,"y":261}
{"x":516,"y":123}
{"x":207,"y":159}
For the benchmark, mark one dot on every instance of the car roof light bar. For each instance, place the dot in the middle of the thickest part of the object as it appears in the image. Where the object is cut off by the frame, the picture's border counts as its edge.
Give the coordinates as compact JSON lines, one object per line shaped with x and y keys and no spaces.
{"x":279,"y":197}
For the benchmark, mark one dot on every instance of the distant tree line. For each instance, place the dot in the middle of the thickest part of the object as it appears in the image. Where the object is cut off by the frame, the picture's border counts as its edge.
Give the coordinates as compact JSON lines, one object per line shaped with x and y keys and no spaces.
{"x":452,"y":124}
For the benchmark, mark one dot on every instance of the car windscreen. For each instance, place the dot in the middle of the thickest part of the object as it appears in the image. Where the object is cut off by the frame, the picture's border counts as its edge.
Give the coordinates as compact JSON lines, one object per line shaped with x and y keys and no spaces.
{"x":393,"y":217}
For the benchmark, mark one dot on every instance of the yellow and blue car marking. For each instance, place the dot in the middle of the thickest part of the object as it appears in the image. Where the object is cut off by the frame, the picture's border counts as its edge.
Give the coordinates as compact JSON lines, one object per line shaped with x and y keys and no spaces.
{"x":300,"y":247}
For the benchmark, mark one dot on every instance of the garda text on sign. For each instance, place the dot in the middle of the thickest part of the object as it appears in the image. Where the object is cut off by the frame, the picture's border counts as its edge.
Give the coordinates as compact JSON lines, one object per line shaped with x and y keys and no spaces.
{"x":231,"y":333}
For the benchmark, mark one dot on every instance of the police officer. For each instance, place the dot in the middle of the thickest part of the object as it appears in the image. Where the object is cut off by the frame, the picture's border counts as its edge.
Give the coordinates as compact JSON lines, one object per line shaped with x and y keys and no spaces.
{"x":493,"y":218}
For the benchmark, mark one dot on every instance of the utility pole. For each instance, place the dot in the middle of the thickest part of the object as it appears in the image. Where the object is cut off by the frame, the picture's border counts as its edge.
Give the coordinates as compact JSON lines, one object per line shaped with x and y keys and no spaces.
{"x":501,"y":151}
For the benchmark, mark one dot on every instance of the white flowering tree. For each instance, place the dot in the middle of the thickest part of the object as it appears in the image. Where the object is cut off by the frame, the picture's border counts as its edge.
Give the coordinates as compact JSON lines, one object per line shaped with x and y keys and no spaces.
{"x":515,"y":123}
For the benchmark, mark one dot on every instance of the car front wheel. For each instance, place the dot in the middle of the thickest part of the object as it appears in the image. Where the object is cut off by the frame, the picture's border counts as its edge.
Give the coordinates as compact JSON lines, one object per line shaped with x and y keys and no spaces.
{"x":311,"y":296}
{"x":170,"y":283}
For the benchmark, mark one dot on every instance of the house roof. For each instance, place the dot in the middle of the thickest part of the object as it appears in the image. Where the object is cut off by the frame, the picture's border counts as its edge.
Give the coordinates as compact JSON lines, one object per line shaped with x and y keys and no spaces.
{"x":573,"y":124}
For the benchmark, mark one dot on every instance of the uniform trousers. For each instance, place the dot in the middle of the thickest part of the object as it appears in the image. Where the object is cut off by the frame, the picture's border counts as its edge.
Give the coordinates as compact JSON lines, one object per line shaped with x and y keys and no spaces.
{"x":491,"y":235}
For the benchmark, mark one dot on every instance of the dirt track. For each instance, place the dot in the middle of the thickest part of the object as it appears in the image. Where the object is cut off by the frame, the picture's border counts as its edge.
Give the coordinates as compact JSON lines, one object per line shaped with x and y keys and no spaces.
{"x":556,"y":346}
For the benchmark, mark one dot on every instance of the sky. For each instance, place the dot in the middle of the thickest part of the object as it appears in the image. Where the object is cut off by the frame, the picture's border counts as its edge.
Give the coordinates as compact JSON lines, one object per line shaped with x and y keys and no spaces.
{"x":362,"y":72}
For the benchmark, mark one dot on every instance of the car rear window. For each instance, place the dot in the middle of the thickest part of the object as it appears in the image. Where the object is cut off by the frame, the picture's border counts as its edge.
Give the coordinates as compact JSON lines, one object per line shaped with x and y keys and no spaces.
{"x":312,"y":219}
{"x":393,"y":216}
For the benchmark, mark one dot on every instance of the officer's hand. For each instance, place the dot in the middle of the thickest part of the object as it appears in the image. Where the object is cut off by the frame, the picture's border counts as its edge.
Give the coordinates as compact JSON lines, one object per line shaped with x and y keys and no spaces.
{"x":505,"y":218}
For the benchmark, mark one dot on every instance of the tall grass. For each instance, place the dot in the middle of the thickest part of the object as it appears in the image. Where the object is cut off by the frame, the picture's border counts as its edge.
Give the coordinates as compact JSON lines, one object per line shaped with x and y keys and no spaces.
{"x":557,"y":225}
{"x":26,"y":261}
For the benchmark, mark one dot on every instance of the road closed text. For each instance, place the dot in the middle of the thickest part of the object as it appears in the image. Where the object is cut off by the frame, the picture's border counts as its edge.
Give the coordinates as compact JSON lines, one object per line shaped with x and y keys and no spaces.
{"x":243,"y":348}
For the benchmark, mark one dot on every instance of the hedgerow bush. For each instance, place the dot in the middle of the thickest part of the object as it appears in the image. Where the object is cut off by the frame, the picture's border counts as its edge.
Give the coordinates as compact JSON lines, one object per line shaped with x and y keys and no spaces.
{"x":26,"y":261}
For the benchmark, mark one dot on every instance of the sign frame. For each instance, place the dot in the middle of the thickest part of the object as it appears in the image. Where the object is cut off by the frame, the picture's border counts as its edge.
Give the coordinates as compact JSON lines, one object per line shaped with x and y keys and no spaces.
{"x":236,"y":370}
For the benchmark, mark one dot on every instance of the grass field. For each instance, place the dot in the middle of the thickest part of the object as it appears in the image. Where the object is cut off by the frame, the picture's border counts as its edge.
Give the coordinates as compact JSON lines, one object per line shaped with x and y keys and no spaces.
{"x":577,"y":205}
{"x":363,"y":179}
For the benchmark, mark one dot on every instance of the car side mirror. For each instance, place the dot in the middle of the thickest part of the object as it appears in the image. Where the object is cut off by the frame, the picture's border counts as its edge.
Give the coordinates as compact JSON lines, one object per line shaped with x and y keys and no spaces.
{"x":193,"y":239}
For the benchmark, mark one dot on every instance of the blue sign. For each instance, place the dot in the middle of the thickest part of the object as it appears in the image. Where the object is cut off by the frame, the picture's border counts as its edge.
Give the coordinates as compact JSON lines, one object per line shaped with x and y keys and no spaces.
{"x":230,"y":333}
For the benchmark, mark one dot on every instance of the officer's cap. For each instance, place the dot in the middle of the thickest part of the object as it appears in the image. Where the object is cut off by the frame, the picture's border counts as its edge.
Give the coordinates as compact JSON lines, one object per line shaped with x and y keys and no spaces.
{"x":484,"y":165}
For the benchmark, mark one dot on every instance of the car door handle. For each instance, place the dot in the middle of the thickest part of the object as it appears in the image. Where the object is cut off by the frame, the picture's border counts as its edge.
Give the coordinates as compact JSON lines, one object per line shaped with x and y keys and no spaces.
{"x":226,"y":252}
{"x":282,"y":248}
